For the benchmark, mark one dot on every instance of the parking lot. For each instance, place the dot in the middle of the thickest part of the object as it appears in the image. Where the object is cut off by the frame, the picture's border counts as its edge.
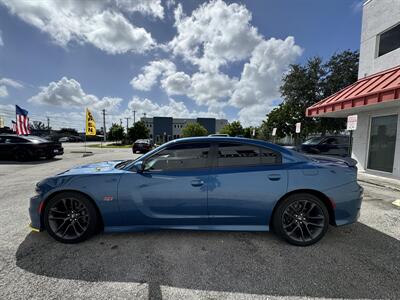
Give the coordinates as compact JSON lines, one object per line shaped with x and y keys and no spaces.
{"x":357,"y":261}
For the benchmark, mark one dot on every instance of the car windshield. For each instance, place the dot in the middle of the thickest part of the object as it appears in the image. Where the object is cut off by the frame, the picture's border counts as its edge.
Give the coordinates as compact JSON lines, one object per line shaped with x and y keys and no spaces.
{"x":36,"y":139}
{"x":313,"y":141}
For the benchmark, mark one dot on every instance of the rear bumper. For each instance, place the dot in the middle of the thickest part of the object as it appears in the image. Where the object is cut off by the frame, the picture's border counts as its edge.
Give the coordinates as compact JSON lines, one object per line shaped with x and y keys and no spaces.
{"x":35,"y":214}
{"x":347,"y":202}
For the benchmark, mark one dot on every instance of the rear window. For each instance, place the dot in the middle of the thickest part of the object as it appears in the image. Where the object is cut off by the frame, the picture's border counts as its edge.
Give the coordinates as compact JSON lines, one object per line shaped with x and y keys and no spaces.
{"x":232,"y":154}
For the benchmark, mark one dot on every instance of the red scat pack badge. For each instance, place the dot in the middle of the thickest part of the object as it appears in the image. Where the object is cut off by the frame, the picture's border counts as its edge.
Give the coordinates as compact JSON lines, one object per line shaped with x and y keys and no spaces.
{"x":108,"y":198}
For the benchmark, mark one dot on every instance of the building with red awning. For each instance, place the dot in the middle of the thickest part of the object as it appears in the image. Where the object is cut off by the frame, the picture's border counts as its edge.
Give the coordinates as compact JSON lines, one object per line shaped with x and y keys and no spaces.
{"x":375,"y":97}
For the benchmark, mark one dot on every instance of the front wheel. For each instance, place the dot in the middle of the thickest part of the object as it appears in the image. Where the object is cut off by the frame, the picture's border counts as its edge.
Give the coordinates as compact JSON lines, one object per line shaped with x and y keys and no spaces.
{"x":301,"y":219}
{"x":70,"y":218}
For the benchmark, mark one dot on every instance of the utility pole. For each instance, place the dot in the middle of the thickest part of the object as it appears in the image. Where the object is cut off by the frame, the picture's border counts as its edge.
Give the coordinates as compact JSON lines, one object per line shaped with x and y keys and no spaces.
{"x":120,"y":122}
{"x":134,"y":117}
{"x":48,"y":124}
{"x":104,"y":126}
{"x":127,"y":124}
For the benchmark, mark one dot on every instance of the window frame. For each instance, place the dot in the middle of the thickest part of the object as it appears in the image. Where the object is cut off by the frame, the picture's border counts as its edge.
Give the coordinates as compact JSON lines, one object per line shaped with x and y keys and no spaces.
{"x":215,"y":149}
{"x":378,"y":41}
{"x":207,"y":165}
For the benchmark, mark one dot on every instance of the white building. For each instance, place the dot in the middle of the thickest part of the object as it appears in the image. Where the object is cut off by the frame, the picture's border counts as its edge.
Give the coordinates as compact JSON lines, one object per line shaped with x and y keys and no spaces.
{"x":375,"y":97}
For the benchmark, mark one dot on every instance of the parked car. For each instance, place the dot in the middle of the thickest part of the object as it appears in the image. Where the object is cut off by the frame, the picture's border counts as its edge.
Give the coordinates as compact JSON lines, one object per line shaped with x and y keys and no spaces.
{"x":70,"y":139}
{"x":24,"y":148}
{"x":142,"y":146}
{"x":329,"y":145}
{"x":204,"y":183}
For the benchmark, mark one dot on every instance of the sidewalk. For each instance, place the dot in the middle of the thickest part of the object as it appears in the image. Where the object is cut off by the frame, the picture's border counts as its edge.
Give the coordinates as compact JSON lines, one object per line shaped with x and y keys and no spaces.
{"x":379,"y":181}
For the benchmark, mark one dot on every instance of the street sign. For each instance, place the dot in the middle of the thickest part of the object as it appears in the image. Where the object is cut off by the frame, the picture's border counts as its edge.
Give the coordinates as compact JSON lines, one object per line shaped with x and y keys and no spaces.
{"x":273,"y":131}
{"x":352,"y":122}
{"x":298,"y":127}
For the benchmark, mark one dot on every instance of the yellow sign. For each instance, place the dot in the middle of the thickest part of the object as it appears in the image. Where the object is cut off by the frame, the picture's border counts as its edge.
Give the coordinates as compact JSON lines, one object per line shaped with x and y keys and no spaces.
{"x":90,"y":123}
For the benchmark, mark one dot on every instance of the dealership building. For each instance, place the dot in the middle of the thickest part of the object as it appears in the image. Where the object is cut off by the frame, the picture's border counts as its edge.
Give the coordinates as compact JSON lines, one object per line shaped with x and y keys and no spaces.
{"x":375,"y":97}
{"x":163,"y":129}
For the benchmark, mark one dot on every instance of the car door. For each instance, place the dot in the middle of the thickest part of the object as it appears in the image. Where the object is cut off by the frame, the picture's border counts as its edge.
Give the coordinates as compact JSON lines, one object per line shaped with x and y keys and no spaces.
{"x":3,"y":147}
{"x":172,"y":190}
{"x":244,"y":184}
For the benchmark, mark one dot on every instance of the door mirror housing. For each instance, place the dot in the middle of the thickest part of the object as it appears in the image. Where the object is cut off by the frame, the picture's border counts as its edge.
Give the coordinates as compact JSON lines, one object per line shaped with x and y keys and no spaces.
{"x":138,"y":166}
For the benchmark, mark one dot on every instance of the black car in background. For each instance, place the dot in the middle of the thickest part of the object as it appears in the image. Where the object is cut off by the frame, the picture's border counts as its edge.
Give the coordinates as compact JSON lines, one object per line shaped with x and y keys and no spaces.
{"x":142,"y":146}
{"x":337,"y":145}
{"x":28,"y":147}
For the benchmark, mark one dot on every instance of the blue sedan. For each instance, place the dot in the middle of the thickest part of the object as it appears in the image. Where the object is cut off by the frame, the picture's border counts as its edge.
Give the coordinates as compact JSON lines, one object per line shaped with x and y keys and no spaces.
{"x":203,"y":183}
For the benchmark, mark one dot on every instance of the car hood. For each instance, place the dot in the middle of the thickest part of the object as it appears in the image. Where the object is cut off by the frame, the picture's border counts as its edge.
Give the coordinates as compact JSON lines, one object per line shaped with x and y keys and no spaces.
{"x":94,"y":168}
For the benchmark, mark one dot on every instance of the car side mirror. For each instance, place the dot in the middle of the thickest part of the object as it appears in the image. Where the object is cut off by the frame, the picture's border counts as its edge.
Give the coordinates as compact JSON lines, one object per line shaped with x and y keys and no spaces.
{"x":139,"y":166}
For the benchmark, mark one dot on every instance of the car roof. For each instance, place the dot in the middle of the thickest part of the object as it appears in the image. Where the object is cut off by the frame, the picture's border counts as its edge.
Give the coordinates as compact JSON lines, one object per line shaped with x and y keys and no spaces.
{"x":254,"y":142}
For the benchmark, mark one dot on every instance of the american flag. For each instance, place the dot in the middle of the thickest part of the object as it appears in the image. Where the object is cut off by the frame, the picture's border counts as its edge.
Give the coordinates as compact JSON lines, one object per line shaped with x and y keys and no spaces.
{"x":14,"y":126}
{"x":22,"y":121}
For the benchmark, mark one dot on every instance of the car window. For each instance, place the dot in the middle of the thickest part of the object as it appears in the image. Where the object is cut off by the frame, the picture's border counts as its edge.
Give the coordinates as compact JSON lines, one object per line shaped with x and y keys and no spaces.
{"x":313,"y":141}
{"x":331,"y":141}
{"x":179,"y":157}
{"x":232,"y":154}
{"x":343,"y":140}
{"x":14,"y":140}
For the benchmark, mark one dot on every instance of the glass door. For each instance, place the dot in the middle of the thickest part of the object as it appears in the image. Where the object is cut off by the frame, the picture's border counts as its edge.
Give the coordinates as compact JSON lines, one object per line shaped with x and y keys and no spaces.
{"x":382,"y":143}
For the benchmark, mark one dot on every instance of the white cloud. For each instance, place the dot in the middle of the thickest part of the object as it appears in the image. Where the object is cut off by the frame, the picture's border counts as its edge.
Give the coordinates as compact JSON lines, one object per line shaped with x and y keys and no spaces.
{"x":177,"y":83}
{"x":3,"y":91}
{"x":151,"y":73}
{"x":216,"y":33}
{"x":99,"y":23}
{"x":8,"y":82}
{"x":1,"y":39}
{"x":261,"y":77}
{"x":174,"y":108}
{"x":68,"y":93}
{"x":146,"y":7}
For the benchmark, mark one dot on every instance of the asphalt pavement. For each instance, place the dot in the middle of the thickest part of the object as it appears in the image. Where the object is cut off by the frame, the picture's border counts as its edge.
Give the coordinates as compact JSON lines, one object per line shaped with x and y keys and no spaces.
{"x":356,"y":261}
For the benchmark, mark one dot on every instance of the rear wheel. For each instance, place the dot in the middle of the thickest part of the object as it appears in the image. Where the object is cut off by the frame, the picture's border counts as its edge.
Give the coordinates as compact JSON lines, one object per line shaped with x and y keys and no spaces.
{"x":301,"y":219}
{"x":70,"y":218}
{"x":21,"y":155}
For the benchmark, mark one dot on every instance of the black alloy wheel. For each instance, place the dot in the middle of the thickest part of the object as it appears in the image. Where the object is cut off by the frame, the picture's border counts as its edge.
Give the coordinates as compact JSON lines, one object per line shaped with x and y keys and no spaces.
{"x":21,"y":155}
{"x":70,"y":218}
{"x":302,"y":219}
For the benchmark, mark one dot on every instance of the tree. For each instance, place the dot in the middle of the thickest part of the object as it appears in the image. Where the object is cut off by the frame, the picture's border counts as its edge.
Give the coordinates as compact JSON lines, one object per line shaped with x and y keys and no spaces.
{"x":194,"y":129}
{"x":68,"y":131}
{"x":305,"y":85}
{"x":38,"y":125}
{"x":233,"y":129}
{"x":138,"y":131}
{"x":116,"y":133}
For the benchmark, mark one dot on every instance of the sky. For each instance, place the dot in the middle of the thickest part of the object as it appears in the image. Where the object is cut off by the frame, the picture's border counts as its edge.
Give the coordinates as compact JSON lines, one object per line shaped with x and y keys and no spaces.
{"x":187,"y":59}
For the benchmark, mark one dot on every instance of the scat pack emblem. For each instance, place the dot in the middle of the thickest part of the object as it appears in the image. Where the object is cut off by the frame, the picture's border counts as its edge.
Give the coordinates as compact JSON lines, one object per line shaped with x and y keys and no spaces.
{"x":108,"y":198}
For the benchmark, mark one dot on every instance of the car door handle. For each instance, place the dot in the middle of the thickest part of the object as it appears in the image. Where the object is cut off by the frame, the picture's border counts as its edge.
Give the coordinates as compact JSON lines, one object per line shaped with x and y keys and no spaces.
{"x":197,"y":182}
{"x":274,"y":177}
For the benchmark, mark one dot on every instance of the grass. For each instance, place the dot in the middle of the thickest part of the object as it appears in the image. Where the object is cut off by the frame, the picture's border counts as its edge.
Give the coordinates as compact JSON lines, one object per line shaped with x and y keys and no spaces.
{"x":109,"y":146}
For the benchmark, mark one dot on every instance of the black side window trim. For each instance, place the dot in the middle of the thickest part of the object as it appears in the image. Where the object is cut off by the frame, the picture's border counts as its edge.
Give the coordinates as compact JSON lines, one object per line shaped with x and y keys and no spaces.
{"x":215,"y":157}
{"x":208,"y":160}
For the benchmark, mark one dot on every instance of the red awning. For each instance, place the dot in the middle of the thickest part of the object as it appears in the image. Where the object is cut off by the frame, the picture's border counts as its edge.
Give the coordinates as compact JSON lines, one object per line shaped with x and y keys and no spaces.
{"x":374,"y":89}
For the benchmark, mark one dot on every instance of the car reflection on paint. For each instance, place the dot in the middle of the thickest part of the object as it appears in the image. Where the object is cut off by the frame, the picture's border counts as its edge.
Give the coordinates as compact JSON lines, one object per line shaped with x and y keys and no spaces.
{"x":204,"y":183}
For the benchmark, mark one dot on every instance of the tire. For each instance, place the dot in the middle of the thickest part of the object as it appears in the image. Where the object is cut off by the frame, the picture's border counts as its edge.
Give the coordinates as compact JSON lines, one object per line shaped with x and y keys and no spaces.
{"x":70,"y":218}
{"x":21,"y":155}
{"x":301,"y":219}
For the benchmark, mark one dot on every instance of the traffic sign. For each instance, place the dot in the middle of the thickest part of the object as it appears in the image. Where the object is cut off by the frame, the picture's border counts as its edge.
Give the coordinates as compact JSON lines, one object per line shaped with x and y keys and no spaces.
{"x":298,"y":127}
{"x":273,"y":131}
{"x":352,"y":122}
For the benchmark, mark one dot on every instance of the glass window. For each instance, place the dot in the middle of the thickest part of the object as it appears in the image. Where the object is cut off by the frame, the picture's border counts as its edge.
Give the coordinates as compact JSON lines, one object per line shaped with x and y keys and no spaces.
{"x":232,"y":154}
{"x":179,"y":157}
{"x":382,"y":143}
{"x":14,"y":140}
{"x":389,"y":40}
